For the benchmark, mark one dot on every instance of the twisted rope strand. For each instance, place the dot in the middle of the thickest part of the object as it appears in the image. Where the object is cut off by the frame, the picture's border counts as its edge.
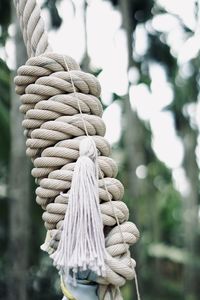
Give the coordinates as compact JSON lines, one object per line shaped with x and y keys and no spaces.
{"x":32,"y":27}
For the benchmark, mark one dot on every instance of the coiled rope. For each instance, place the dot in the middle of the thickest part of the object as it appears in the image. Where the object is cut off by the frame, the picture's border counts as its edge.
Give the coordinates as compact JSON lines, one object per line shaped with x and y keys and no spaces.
{"x":60,"y":106}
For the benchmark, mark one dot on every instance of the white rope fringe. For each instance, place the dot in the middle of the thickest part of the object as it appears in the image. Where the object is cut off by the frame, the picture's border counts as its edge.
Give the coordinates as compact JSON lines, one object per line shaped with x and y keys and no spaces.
{"x":82,"y":244}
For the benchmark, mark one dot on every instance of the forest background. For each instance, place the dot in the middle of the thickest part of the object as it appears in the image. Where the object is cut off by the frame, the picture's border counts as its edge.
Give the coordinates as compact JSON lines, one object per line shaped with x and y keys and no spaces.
{"x":146,"y":56}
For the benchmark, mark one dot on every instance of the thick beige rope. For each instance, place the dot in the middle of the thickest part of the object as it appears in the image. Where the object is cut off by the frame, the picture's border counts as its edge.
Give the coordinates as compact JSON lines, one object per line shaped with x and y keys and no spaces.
{"x":113,"y":208}
{"x":53,"y":126}
{"x":32,"y":27}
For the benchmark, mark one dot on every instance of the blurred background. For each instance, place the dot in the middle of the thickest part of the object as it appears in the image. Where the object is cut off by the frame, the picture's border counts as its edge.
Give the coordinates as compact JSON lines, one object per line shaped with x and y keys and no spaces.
{"x":146,"y":56}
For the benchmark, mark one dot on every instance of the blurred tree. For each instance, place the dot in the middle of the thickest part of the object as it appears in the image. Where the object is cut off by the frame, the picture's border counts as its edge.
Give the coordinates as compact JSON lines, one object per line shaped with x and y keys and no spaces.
{"x":56,"y":20}
{"x":133,"y":132}
{"x":17,"y":255}
{"x":19,"y":191}
{"x":187,"y":95}
{"x":5,"y":13}
{"x":4,"y":144}
{"x":160,"y":224}
{"x":4,"y":114}
{"x":168,"y":221}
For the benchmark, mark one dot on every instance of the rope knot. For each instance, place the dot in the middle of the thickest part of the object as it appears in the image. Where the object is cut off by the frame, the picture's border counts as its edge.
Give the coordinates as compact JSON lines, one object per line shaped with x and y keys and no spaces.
{"x":46,"y":89}
{"x":83,"y":225}
{"x":88,"y":148}
{"x":54,"y":94}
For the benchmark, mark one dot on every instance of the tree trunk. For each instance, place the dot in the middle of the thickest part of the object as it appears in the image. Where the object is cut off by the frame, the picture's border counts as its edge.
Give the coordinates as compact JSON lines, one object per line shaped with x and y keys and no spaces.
{"x":190,"y":214}
{"x":85,"y":64}
{"x":19,"y":193}
{"x":134,"y":135}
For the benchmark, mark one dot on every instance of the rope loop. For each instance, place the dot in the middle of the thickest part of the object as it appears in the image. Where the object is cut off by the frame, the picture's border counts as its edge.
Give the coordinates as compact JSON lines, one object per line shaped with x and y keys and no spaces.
{"x":45,"y":77}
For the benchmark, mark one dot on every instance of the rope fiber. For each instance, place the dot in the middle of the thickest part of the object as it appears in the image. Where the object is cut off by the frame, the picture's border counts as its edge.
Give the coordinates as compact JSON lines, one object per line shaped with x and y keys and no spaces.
{"x":61,"y":106}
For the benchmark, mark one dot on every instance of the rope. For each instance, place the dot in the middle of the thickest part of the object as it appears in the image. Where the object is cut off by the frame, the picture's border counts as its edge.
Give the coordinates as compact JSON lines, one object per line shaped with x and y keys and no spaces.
{"x":32,"y":27}
{"x":54,"y":126}
{"x":104,"y":183}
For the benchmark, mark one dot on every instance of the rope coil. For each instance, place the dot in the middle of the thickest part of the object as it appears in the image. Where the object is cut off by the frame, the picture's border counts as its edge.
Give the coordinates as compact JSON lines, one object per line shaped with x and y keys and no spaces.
{"x":49,"y":86}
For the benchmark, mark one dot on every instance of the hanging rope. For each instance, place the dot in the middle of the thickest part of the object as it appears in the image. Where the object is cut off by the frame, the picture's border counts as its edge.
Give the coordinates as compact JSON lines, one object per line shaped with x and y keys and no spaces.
{"x":32,"y":27}
{"x":55,"y":122}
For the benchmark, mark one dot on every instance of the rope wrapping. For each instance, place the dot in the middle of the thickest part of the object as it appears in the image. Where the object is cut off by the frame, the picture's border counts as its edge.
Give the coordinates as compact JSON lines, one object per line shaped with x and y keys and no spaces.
{"x":54,"y":128}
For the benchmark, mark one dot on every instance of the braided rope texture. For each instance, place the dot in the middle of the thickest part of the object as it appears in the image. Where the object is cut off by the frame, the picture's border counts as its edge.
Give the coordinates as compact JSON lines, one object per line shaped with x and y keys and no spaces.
{"x":32,"y":27}
{"x":54,"y":128}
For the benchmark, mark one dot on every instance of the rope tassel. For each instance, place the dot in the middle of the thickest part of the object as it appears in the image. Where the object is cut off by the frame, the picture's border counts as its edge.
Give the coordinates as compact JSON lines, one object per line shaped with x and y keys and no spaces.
{"x":82,"y":245}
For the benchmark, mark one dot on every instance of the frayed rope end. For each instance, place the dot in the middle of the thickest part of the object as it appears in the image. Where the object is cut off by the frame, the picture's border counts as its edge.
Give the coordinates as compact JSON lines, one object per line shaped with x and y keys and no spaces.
{"x":82,"y":245}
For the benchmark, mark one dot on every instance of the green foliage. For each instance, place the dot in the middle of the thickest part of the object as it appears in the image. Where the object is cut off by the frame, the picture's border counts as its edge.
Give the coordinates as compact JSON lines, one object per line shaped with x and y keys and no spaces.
{"x":156,"y":206}
{"x":140,"y":10}
{"x":3,"y":244}
{"x":5,"y":13}
{"x":4,"y":112}
{"x":56,"y":20}
{"x":160,"y":52}
{"x":43,"y":280}
{"x":170,"y":210}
